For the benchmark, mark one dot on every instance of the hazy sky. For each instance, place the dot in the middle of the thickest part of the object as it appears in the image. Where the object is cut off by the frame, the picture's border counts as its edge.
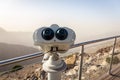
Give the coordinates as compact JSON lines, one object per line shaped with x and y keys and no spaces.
{"x":85,"y":16}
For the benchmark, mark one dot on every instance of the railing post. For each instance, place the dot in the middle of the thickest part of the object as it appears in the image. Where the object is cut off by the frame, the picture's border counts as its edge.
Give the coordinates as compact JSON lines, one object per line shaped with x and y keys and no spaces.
{"x":81,"y":63}
{"x":111,"y":60}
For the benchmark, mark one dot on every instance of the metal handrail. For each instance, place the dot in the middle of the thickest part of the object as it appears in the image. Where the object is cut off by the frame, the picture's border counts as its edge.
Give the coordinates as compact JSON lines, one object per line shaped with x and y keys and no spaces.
{"x":94,"y":41}
{"x":39,"y":54}
{"x":21,"y":58}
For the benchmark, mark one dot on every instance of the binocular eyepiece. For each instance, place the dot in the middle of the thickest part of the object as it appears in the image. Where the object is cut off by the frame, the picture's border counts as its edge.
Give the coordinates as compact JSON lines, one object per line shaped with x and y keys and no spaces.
{"x":60,"y":34}
{"x":47,"y":34}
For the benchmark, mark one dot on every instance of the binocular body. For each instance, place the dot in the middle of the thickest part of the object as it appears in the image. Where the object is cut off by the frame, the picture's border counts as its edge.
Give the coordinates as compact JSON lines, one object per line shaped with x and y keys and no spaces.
{"x":54,"y":36}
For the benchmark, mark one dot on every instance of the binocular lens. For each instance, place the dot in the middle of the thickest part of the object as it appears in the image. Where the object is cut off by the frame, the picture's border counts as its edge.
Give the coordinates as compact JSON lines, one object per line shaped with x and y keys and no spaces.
{"x":61,"y":34}
{"x":47,"y":34}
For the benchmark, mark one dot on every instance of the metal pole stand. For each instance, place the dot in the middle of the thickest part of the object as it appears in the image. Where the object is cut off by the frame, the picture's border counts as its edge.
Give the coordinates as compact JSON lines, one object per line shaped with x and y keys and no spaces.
{"x":53,"y":66}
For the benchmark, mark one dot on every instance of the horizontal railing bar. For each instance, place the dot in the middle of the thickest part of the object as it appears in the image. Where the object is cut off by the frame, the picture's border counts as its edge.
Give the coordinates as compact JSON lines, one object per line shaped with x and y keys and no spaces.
{"x":20,"y":58}
{"x":39,"y":54}
{"x":94,"y":41}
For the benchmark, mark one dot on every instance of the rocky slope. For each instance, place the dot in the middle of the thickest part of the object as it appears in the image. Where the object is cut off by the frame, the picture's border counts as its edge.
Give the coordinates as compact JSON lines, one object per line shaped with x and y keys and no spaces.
{"x":8,"y":51}
{"x":12,"y":50}
{"x":94,"y":66}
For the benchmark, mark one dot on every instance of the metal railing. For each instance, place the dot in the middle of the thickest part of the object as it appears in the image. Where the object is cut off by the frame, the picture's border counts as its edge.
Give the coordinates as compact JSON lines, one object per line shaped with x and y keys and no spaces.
{"x":91,"y":42}
{"x":39,"y":54}
{"x":21,"y":58}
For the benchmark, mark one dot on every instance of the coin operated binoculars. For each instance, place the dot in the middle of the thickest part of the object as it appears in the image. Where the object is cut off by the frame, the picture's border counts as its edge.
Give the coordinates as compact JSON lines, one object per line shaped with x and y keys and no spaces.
{"x":54,"y":40}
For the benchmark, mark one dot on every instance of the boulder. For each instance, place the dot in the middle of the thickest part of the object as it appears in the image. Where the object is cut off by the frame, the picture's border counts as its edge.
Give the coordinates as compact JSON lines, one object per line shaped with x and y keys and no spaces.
{"x":70,"y":61}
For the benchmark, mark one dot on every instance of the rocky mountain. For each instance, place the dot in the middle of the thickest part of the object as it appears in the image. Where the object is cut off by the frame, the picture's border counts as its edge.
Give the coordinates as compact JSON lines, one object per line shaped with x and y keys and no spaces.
{"x":21,"y":38}
{"x":11,"y":50}
{"x":94,"y":66}
{"x":8,"y":51}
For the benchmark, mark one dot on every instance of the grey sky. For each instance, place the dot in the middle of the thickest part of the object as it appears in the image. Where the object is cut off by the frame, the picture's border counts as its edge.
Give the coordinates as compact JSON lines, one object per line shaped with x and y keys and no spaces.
{"x":86,"y":17}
